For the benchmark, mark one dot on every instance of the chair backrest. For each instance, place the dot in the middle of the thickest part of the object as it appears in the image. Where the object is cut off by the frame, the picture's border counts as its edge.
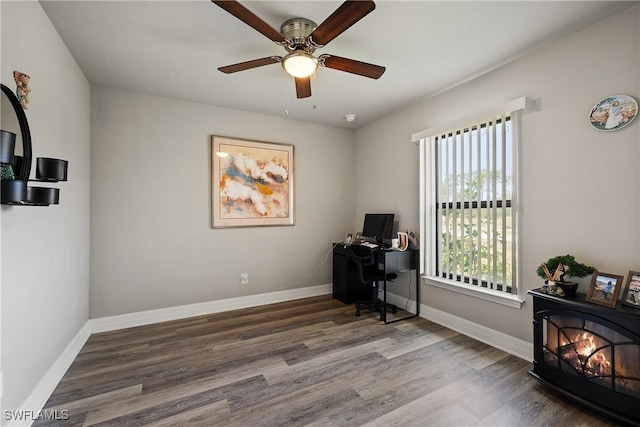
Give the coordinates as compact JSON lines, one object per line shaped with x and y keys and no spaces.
{"x":364,"y":259}
{"x":368,"y":268}
{"x":362,"y":254}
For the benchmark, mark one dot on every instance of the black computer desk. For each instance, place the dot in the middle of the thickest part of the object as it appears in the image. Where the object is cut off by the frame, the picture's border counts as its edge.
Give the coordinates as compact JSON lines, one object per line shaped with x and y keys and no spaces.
{"x":346,"y":284}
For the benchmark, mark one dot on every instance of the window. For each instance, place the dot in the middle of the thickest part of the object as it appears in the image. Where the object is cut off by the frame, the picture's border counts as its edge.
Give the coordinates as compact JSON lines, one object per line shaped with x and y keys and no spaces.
{"x":469,"y":209}
{"x":474,"y":225}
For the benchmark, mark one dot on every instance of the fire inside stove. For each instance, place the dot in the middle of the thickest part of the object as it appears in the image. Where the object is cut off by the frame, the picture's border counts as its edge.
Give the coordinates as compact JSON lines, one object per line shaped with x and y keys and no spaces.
{"x":585,"y":356}
{"x":599,"y":354}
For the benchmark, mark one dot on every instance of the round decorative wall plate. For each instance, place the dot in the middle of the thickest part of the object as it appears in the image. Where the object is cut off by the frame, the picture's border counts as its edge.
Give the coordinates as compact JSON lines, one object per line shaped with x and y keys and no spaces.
{"x":613,"y":112}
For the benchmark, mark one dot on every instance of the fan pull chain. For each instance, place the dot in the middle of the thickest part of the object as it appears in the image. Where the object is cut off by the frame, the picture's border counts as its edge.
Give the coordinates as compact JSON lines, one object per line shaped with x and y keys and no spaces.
{"x":315,"y":91}
{"x":286,"y":93}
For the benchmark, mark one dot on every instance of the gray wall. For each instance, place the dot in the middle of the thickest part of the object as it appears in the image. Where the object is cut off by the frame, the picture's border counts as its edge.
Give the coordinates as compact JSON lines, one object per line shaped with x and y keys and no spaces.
{"x":152,"y":245}
{"x":45,"y":251}
{"x":580,"y":186}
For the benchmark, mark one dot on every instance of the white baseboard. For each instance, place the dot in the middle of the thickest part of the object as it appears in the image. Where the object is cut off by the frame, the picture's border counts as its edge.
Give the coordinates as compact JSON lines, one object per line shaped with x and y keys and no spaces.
{"x":510,"y":344}
{"x":47,"y":384}
{"x":38,"y":397}
{"x":112,"y":323}
{"x":36,"y":400}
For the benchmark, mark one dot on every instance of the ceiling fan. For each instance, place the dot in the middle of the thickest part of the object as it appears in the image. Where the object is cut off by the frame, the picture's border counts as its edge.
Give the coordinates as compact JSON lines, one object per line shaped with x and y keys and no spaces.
{"x":301,"y":37}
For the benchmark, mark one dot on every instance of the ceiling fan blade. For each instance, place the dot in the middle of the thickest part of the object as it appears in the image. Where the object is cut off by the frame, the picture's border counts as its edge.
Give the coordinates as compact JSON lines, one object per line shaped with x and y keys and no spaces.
{"x":249,"y":18}
{"x":247,"y":65}
{"x":352,"y":66}
{"x":342,"y":18}
{"x":303,"y":87}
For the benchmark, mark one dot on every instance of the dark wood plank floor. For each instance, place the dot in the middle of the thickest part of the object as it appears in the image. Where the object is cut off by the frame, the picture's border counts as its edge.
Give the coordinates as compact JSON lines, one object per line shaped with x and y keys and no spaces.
{"x":308,"y":362}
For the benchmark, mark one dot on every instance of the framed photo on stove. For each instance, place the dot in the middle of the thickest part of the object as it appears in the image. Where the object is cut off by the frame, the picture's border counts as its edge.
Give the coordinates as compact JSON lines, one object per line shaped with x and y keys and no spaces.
{"x":604,"y":289}
{"x":631,"y":295}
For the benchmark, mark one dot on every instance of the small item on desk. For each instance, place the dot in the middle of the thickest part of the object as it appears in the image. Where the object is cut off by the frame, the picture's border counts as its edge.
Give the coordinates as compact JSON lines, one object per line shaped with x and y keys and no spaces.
{"x":403,"y":241}
{"x":349,"y":239}
{"x":413,"y":239}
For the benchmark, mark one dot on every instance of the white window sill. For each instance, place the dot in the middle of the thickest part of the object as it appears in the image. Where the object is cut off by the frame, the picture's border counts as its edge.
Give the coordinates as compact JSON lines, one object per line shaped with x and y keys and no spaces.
{"x":497,"y":297}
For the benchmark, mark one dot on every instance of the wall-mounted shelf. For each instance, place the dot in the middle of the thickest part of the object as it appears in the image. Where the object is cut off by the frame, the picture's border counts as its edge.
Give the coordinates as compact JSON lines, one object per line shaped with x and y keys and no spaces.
{"x":17,"y":169}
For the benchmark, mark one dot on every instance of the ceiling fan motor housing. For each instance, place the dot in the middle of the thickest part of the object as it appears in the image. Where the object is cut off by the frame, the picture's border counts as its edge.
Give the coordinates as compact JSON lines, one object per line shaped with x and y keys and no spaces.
{"x":296,"y":31}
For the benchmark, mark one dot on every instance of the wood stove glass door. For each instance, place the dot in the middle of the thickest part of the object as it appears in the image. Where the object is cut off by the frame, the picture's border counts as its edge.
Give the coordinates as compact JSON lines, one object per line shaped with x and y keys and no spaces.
{"x":585,"y":348}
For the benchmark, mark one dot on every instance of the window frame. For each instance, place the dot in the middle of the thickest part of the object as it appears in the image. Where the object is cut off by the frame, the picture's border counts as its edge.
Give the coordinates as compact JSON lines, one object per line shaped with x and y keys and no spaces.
{"x":429,"y":210}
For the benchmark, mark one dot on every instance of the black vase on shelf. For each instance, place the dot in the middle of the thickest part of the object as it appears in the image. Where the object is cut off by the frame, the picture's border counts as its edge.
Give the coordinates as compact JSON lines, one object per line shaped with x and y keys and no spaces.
{"x":52,"y":170}
{"x":7,"y":147}
{"x":43,"y":196}
{"x":14,"y":191}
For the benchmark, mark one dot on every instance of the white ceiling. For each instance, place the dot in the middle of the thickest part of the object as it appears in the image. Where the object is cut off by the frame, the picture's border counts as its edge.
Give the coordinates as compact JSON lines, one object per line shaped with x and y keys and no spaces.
{"x":173,"y":48}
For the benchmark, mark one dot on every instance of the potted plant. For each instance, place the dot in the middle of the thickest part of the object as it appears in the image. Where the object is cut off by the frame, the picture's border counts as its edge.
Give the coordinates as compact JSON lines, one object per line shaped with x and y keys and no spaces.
{"x":564,"y":266}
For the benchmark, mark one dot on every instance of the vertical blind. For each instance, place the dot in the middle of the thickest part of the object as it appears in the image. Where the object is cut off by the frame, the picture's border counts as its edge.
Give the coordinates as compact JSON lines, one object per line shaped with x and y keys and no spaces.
{"x":474,"y":205}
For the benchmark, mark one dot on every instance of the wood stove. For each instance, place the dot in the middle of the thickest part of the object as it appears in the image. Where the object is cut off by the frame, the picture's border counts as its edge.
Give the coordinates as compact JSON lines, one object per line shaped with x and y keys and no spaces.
{"x":589,"y":353}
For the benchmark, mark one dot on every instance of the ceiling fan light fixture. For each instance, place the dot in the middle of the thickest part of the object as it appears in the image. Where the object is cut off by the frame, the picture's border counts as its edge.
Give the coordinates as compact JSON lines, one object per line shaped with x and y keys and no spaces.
{"x":300,"y":64}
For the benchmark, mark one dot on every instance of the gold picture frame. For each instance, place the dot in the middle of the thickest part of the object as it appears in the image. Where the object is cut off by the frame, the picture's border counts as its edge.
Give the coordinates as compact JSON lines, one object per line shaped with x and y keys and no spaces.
{"x":251,"y":183}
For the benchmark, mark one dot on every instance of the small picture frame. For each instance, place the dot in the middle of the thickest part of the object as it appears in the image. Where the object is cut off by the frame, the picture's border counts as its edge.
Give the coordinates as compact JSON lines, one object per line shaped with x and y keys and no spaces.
{"x":349,"y":239}
{"x":604,"y":289}
{"x":631,"y":295}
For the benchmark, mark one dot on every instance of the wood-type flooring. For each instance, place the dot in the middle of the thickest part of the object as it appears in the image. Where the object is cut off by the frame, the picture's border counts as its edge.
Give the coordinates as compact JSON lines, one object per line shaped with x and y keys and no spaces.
{"x":308,"y":362}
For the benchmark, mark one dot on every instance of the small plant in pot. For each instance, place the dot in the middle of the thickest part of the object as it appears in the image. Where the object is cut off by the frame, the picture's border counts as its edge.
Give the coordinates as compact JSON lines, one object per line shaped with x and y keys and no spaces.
{"x":564,"y":266}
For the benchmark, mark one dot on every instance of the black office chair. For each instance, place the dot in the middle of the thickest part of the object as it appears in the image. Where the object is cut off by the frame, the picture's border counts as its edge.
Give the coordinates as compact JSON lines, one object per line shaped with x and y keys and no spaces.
{"x":369,"y":274}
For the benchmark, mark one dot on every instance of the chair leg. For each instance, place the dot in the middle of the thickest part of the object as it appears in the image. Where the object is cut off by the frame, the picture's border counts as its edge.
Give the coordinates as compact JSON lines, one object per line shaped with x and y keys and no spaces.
{"x":368,"y":305}
{"x":376,"y":304}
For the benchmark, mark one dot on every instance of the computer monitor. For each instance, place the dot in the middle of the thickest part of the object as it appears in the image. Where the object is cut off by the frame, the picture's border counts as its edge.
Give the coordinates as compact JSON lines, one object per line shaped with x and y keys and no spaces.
{"x":378,"y":227}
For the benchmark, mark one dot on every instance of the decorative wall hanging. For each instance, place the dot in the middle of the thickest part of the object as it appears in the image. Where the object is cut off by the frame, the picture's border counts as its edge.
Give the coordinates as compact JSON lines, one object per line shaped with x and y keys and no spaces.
{"x":22,"y":88}
{"x":252,"y":183}
{"x":613,"y":112}
{"x":17,"y":169}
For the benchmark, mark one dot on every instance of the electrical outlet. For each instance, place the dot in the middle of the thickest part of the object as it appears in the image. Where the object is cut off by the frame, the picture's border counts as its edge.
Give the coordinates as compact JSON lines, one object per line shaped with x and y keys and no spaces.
{"x":244,"y":278}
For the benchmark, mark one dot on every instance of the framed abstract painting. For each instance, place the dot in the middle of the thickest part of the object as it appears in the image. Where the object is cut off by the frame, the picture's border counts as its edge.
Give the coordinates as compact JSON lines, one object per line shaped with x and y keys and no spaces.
{"x":251,"y":183}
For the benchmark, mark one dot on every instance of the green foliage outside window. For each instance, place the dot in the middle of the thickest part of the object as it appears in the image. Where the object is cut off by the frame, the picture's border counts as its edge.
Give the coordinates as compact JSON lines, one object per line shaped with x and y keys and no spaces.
{"x":470,"y":249}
